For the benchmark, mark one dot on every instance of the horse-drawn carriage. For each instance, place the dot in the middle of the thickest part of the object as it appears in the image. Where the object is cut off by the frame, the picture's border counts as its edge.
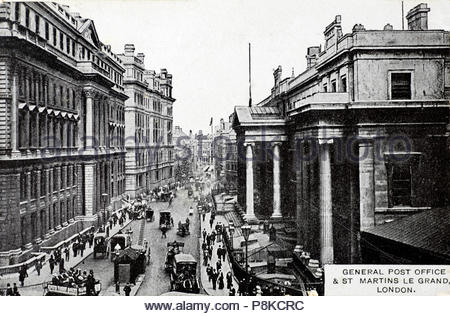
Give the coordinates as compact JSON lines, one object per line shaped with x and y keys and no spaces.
{"x":149,"y":215}
{"x":173,"y":248}
{"x":165,"y":220}
{"x":183,"y":229}
{"x":100,"y":245}
{"x":183,"y":275}
{"x":119,"y":242}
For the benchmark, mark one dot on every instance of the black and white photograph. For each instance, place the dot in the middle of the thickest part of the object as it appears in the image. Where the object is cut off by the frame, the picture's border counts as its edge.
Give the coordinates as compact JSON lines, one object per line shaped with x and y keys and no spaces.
{"x":225,"y":148}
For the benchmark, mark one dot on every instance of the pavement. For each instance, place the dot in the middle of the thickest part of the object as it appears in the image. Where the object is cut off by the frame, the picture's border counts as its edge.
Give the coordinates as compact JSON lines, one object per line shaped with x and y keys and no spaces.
{"x":226,"y":265}
{"x":33,"y":283}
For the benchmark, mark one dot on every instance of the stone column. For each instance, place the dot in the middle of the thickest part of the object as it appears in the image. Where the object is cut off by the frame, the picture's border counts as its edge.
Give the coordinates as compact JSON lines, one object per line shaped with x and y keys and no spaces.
{"x":89,"y":134}
{"x":14,"y":113}
{"x":276,"y":182}
{"x":250,"y":212}
{"x":326,"y":207}
{"x":366,"y":185}
{"x":354,"y":222}
{"x":89,"y":176}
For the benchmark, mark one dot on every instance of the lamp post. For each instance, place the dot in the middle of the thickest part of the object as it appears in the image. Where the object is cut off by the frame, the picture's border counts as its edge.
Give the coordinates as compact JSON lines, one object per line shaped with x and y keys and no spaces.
{"x":246,"y":229}
{"x":104,"y":200}
{"x":231,"y":230}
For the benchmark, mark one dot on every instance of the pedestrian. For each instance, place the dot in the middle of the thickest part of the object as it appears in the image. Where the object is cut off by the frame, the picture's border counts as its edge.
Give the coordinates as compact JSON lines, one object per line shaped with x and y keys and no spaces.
{"x":9,"y":290}
{"x":75,"y":249}
{"x":117,"y":288}
{"x":219,"y":252}
{"x":91,"y":240}
{"x":214,"y":279}
{"x":204,"y":235}
{"x":15,"y":290}
{"x":209,"y":271}
{"x":241,"y":288}
{"x":82,"y":247}
{"x":51,"y":263}
{"x":213,"y":237}
{"x":211,"y":221}
{"x":171,"y":222}
{"x":23,"y":274}
{"x":232,"y":291}
{"x":67,"y":253}
{"x":208,"y":240}
{"x":127,"y":289}
{"x":163,"y":232}
{"x":210,"y":250}
{"x":203,"y":216}
{"x":221,"y":283}
{"x":229,"y":280}
{"x":61,"y":266}
{"x":218,"y":265}
{"x":38,"y":267}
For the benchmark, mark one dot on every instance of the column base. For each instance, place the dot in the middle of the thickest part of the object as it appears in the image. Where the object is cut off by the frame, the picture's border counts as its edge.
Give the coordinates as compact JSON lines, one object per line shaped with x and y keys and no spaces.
{"x":276,"y":215}
{"x":250,"y":218}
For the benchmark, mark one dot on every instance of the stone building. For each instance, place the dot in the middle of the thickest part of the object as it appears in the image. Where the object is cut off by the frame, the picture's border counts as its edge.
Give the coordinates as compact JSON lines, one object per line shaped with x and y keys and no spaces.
{"x":148,"y":121}
{"x":360,"y":138}
{"x":61,"y":124}
{"x":224,"y":157}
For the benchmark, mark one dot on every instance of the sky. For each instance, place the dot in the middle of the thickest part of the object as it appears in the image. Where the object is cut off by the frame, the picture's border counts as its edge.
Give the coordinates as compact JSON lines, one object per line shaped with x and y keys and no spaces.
{"x":204,"y":43}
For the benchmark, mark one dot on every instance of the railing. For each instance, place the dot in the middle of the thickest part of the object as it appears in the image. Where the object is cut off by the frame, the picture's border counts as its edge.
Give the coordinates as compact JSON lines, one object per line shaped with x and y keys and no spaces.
{"x":15,"y":268}
{"x":49,"y":249}
{"x":324,"y":97}
{"x":240,"y":273}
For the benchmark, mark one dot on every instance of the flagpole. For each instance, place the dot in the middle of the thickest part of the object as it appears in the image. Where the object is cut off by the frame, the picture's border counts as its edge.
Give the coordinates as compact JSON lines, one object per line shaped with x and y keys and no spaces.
{"x":249,"y":75}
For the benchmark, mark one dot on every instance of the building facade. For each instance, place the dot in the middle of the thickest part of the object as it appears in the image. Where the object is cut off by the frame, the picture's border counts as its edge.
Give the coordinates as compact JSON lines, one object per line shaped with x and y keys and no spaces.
{"x":149,"y":125}
{"x":61,"y":121}
{"x":359,"y":139}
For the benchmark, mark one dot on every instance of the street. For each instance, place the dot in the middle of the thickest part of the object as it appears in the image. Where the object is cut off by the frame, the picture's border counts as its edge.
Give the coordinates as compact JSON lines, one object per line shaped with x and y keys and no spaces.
{"x":156,"y":280}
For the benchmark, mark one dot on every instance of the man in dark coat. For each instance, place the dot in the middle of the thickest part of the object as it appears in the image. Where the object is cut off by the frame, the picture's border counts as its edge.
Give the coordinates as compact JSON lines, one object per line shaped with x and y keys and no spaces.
{"x":23,"y":274}
{"x":214,"y":276}
{"x":127,"y":289}
{"x":51,"y":263}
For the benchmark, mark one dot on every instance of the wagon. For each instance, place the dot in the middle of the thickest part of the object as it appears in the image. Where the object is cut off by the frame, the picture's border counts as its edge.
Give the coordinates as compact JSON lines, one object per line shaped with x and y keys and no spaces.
{"x":183,"y":276}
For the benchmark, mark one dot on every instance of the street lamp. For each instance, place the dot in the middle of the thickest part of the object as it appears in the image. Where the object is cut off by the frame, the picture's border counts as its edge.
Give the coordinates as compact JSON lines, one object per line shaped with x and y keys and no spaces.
{"x":246,"y":229}
{"x":104,"y":199}
{"x":231,"y":230}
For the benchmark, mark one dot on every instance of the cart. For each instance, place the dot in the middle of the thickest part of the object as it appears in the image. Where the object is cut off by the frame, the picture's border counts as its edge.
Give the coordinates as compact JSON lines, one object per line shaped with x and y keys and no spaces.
{"x":58,"y":290}
{"x":100,"y":245}
{"x":149,"y":215}
{"x":165,"y":220}
{"x":173,"y":248}
{"x":183,"y":276}
{"x":183,"y":229}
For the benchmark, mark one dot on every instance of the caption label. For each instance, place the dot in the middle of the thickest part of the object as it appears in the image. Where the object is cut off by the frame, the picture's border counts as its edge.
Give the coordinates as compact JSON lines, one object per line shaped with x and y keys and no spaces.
{"x":387,"y":280}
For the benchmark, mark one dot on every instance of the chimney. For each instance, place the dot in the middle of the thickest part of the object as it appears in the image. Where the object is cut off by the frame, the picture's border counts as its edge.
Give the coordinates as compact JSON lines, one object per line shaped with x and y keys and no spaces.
{"x":277,"y":75}
{"x":418,"y":17}
{"x":312,"y":53}
{"x":141,"y":57}
{"x":129,"y":49}
{"x":76,"y":15}
{"x":388,"y":27}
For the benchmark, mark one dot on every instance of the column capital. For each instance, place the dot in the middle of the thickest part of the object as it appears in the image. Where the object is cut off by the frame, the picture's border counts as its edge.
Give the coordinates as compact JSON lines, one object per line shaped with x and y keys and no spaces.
{"x":276,"y":143}
{"x":325,"y":141}
{"x":249,"y":144}
{"x":90,"y":92}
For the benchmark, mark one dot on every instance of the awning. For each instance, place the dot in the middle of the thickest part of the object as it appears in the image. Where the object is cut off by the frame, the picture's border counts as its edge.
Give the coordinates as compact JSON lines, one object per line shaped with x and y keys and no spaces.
{"x":41,"y":109}
{"x":22,"y":106}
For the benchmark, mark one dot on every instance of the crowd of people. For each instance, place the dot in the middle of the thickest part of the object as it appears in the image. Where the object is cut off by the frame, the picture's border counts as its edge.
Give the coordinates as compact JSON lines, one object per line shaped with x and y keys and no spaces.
{"x":76,"y":279}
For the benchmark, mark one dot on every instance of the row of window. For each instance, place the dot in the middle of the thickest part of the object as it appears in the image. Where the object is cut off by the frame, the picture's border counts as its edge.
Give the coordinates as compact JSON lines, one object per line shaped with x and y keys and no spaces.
{"x":35,"y":87}
{"x":50,"y":180}
{"x":48,"y":219}
{"x":155,"y":175}
{"x":40,"y":130}
{"x":62,"y":41}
